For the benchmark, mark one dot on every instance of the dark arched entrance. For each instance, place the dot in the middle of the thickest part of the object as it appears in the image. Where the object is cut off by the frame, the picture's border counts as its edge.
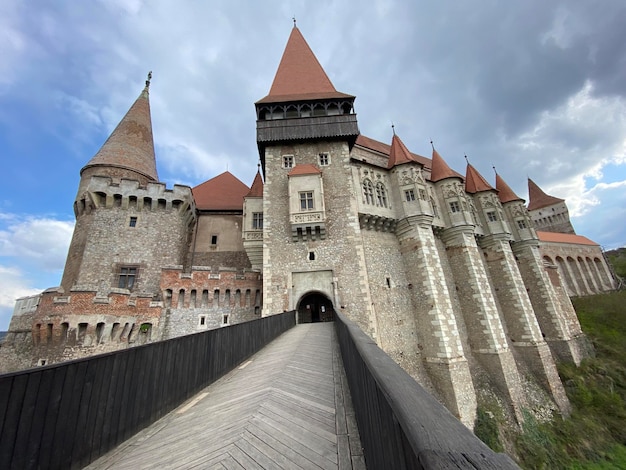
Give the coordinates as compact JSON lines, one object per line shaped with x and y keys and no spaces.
{"x":315,"y":307}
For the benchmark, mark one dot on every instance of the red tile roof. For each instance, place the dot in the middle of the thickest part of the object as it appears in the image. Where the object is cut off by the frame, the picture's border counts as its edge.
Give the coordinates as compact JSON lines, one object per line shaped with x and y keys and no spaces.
{"x":505,"y":193}
{"x":399,"y":154}
{"x":440,"y":169}
{"x":257,"y":186}
{"x":224,"y":192}
{"x":130,"y":145}
{"x":474,"y":181}
{"x":371,"y":144}
{"x":538,"y":199}
{"x":553,"y":237}
{"x":300,"y":76}
{"x":305,"y":169}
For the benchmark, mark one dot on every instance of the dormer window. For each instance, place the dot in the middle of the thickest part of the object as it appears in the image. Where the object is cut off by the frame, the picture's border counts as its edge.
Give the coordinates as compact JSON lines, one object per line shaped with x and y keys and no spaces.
{"x":306,"y":200}
{"x":288,"y":161}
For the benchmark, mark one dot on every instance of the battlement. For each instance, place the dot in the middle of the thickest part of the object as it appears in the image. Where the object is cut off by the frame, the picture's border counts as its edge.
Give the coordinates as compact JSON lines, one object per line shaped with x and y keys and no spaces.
{"x":102,"y":192}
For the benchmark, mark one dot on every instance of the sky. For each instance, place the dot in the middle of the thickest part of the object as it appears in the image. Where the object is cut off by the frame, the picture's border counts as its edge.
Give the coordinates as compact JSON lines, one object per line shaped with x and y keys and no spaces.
{"x":536,"y":89}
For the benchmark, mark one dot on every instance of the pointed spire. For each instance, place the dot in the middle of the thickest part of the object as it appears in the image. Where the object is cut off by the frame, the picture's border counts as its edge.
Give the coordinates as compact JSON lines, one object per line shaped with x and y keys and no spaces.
{"x":440,"y":169}
{"x":398,"y":153}
{"x":538,"y":199}
{"x":300,"y":75}
{"x":130,"y":146}
{"x":505,"y":193}
{"x":257,"y":185}
{"x":474,"y":181}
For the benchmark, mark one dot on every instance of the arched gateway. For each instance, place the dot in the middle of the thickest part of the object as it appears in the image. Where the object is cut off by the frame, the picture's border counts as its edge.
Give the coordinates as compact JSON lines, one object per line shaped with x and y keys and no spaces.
{"x":315,"y":307}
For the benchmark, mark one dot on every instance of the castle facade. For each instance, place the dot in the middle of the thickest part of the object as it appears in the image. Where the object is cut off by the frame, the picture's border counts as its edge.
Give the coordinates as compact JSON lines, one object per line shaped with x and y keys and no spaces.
{"x":445,"y":271}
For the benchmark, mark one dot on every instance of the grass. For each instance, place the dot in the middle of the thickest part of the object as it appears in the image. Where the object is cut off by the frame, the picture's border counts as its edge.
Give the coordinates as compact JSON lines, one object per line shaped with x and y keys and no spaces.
{"x":594,"y":436}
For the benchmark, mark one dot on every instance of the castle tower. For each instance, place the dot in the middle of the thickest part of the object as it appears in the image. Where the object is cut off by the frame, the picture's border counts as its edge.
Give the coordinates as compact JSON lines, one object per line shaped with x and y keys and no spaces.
{"x":548,"y":213}
{"x":519,"y":319}
{"x":436,"y":326}
{"x":485,"y":331}
{"x":127,"y":224}
{"x":253,"y":223}
{"x":553,"y":309}
{"x":305,"y":130}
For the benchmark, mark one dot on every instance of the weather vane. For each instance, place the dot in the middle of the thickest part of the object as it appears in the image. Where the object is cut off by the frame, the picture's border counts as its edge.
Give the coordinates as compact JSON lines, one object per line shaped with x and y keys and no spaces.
{"x":149,"y":78}
{"x":294,"y":20}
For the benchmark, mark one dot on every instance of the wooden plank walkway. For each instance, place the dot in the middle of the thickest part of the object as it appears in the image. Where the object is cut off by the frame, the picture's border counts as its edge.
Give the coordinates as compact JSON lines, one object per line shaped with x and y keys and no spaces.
{"x":287,"y":407}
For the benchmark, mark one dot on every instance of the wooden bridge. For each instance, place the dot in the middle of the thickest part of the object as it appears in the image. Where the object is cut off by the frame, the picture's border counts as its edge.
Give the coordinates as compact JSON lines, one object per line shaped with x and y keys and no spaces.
{"x":263,"y":394}
{"x":288,"y":406}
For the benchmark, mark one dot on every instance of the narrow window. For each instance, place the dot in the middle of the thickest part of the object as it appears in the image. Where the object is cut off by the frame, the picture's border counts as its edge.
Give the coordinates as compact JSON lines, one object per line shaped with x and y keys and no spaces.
{"x":323,"y":159}
{"x":521,"y":224}
{"x":491,"y":216}
{"x":202,"y":320}
{"x":127,"y":277}
{"x":409,"y":194}
{"x":422,"y":194}
{"x":306,"y":200}
{"x":213,"y":239}
{"x":381,"y":195}
{"x":257,"y":220}
{"x":389,"y":283}
{"x":434,"y":207}
{"x":288,"y":161}
{"x":311,"y":256}
{"x":132,"y":222}
{"x":368,"y":192}
{"x":454,"y":206}
{"x":225,"y":319}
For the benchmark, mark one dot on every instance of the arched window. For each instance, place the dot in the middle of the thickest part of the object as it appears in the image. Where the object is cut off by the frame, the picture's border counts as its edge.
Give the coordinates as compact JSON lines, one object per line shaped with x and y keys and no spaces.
{"x":368,"y":192}
{"x":381,"y":195}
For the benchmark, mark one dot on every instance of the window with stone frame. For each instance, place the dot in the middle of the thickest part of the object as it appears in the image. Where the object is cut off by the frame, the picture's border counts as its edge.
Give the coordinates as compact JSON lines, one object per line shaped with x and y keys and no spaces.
{"x":454,"y":206}
{"x":521,"y":224}
{"x":381,"y":195}
{"x":433,"y":206}
{"x":127,"y":277}
{"x":257,"y":220}
{"x":324,"y":159}
{"x":132,"y":221}
{"x":306,"y":201}
{"x":287,"y":161}
{"x":492,"y":216}
{"x":368,"y":192}
{"x":409,"y":195}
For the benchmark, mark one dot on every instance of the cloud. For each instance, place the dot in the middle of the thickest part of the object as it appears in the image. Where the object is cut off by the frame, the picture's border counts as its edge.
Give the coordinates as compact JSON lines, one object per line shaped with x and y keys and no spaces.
{"x":39,"y":241}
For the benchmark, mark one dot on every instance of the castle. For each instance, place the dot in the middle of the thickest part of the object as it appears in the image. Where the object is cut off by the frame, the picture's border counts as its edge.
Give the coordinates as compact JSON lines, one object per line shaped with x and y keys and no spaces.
{"x":446,"y":272}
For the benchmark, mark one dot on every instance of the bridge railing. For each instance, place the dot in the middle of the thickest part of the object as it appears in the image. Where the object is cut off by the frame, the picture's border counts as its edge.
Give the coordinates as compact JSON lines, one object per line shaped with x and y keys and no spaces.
{"x":401,"y":425}
{"x":67,"y":415}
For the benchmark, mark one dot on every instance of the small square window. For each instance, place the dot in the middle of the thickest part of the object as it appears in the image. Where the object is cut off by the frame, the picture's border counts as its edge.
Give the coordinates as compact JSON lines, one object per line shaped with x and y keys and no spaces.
{"x":306,"y":201}
{"x":324,"y":159}
{"x":127,"y":277}
{"x":521,"y":224}
{"x":213,"y":239}
{"x":409,"y":194}
{"x":132,"y":222}
{"x":454,"y":206}
{"x":288,"y":161}
{"x":491,"y":216}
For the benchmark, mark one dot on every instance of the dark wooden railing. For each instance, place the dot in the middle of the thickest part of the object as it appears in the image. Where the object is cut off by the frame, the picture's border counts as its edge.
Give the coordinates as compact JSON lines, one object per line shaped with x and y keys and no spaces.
{"x":67,"y":415}
{"x":401,"y":425}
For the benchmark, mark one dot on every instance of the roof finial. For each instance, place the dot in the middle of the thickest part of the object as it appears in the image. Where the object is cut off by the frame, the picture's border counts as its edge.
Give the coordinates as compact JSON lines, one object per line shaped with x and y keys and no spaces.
{"x":431,"y":144}
{"x":494,"y":170}
{"x":466,"y":159}
{"x":294,"y":20}
{"x":149,"y":78}
{"x":393,"y":128}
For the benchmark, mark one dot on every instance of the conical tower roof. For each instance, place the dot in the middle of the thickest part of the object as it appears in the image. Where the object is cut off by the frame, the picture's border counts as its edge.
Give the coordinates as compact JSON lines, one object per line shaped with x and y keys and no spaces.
{"x":257,"y":186}
{"x":130,"y":146}
{"x":440,"y":169}
{"x":474,"y":181}
{"x":399,"y":154}
{"x":300,"y":75}
{"x":538,"y":199}
{"x":505,"y":193}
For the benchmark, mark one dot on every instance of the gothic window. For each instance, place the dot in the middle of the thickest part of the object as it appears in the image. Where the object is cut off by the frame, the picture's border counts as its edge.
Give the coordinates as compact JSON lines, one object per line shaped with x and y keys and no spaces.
{"x":127,"y":277}
{"x":381,"y":195}
{"x":257,"y":220}
{"x":368,"y":192}
{"x":288,"y":161}
{"x":434,"y":207}
{"x":422,"y":194}
{"x":306,"y":201}
{"x":454,"y":206}
{"x":324,"y":159}
{"x":491,"y":216}
{"x":409,"y":194}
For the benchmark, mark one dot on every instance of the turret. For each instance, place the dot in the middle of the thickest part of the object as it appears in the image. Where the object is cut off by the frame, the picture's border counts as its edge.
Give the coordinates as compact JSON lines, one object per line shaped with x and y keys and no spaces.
{"x":549,"y":213}
{"x":514,"y":206}
{"x":486,"y":207}
{"x":253,"y":223}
